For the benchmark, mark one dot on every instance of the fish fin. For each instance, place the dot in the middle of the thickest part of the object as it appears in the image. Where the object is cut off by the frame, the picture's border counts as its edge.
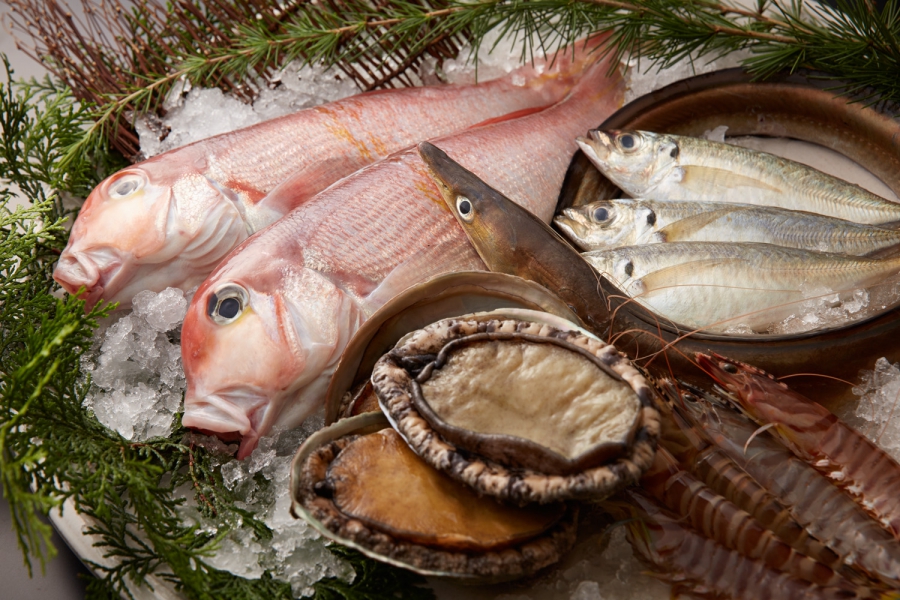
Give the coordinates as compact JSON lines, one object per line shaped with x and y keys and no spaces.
{"x":711,"y":180}
{"x":684,"y":276}
{"x":892,"y":251}
{"x":304,"y":184}
{"x":894,"y":225}
{"x":510,"y":116}
{"x":420,"y":267}
{"x":680,"y":275}
{"x":682,"y":229}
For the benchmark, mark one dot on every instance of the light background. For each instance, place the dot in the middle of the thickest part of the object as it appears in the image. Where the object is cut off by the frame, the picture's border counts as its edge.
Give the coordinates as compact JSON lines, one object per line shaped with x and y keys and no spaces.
{"x":61,"y":580}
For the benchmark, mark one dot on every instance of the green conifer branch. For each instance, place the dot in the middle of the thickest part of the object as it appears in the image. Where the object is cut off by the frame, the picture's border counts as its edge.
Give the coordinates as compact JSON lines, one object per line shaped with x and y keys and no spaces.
{"x":853,"y":42}
{"x":51,"y":448}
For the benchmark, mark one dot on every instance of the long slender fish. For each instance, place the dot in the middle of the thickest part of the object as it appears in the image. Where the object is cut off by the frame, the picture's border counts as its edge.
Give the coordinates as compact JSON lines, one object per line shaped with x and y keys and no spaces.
{"x":671,"y":167}
{"x":628,"y":222}
{"x":169,"y":220}
{"x":265,"y":330}
{"x":713,"y":286}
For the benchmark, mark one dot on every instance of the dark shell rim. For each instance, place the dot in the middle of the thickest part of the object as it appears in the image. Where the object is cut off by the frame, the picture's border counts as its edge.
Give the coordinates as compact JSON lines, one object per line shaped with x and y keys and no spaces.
{"x":513,"y":484}
{"x":507,"y":448}
{"x":493,"y":566}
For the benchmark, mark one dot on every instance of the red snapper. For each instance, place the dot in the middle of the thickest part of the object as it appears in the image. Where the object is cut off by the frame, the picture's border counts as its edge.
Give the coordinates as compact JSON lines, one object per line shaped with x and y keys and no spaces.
{"x":169,"y":220}
{"x":265,"y":331}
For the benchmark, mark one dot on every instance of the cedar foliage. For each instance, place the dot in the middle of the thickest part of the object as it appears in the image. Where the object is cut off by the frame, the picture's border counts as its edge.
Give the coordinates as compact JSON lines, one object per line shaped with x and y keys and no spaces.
{"x":127,"y":55}
{"x":52,"y":450}
{"x":124,"y":58}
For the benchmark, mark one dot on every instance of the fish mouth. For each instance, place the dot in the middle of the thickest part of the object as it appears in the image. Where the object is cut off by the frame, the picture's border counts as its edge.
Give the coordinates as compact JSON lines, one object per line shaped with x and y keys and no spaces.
{"x":228,"y":415}
{"x":571,"y":227}
{"x":598,"y":147}
{"x":94,"y":270}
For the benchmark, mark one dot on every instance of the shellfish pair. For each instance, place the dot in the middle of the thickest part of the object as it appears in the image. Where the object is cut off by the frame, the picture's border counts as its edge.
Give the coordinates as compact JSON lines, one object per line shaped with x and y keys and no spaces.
{"x":489,"y":428}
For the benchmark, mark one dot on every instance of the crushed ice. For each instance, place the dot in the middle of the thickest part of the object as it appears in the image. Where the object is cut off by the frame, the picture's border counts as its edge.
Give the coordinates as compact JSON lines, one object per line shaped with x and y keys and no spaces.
{"x":601,"y":567}
{"x":877,"y":416}
{"x":137,"y":382}
{"x":296,"y":553}
{"x":823,"y":309}
{"x":193,"y":114}
{"x":644,"y":76}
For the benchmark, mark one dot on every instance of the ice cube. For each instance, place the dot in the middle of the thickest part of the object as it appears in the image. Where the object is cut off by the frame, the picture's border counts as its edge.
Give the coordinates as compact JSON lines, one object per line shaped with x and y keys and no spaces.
{"x":877,"y":416}
{"x":136,"y":378}
{"x":716,"y":134}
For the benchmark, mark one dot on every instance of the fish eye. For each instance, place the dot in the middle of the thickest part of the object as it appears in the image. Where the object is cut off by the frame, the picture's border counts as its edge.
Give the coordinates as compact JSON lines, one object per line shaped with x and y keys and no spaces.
{"x":651,"y":218}
{"x":629,"y":142}
{"x":728,"y":367}
{"x":464,"y":208}
{"x":629,"y":268}
{"x":226,"y":304}
{"x":126,"y":185}
{"x":601,"y":214}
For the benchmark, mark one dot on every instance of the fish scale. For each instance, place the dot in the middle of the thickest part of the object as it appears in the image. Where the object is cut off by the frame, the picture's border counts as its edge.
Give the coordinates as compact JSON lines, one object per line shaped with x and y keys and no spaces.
{"x":371,"y":236}
{"x":627,"y":222}
{"x":127,"y":239}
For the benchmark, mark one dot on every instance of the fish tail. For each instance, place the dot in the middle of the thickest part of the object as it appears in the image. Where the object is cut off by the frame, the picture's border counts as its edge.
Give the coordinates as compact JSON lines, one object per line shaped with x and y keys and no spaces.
{"x":566,"y":67}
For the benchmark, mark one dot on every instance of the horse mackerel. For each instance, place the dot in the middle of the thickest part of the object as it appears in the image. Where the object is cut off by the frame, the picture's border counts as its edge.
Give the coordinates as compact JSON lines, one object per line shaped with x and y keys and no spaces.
{"x":671,"y":167}
{"x":627,"y":222}
{"x":716,"y":285}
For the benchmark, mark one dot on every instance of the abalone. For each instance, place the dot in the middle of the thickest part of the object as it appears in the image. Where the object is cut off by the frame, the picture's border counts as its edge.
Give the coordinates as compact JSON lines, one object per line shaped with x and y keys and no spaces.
{"x":367,"y":490}
{"x":519,"y":409}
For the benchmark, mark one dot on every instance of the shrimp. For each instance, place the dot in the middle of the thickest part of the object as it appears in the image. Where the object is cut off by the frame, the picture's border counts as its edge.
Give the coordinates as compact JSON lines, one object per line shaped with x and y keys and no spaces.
{"x":822,"y":508}
{"x":722,"y":521}
{"x":693,"y":449}
{"x":817,"y":436}
{"x":702,"y":567}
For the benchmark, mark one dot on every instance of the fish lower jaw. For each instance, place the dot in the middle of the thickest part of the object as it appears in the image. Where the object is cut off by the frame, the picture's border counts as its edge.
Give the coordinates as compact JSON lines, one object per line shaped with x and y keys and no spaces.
{"x":227,"y":419}
{"x":74,"y":272}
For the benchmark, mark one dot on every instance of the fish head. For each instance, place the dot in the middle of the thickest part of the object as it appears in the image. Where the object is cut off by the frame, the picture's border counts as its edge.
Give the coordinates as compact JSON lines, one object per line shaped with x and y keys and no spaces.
{"x":482,"y":212}
{"x":636,"y":161}
{"x":601,"y":224}
{"x":259,"y":343}
{"x":618,"y":266}
{"x":150,"y":226}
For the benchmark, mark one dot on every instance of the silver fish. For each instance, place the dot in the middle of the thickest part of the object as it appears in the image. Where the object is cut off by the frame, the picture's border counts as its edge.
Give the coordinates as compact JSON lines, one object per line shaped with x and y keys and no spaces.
{"x":671,"y":167}
{"x":714,"y":286}
{"x":628,"y":222}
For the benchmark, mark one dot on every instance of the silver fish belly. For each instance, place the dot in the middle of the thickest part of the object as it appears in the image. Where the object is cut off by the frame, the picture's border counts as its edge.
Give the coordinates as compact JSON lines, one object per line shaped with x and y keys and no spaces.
{"x":671,"y":167}
{"x":714,"y":286}
{"x":627,"y":222}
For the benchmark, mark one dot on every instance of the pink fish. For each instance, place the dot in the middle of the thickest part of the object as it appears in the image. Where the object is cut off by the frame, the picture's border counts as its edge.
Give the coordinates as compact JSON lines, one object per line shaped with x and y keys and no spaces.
{"x":264,"y":332}
{"x":169,"y":220}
